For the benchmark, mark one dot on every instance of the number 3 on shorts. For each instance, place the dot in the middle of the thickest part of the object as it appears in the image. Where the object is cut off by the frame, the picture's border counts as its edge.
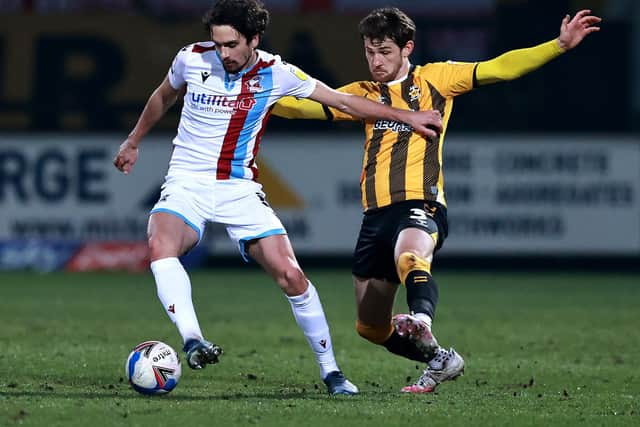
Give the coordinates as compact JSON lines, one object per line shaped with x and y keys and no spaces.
{"x":418,"y":215}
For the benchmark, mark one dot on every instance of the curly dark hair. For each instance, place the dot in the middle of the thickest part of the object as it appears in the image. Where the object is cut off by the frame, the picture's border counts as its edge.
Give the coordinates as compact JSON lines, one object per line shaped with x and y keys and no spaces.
{"x":388,"y":22}
{"x":248,"y":17}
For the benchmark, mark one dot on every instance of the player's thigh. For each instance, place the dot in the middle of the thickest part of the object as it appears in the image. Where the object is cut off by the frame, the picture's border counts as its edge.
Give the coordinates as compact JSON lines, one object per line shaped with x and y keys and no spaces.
{"x":415,"y":240}
{"x":177,"y":219}
{"x":243,"y":209}
{"x":421,"y":228}
{"x":373,"y":254}
{"x":169,"y":236}
{"x":374,"y":300}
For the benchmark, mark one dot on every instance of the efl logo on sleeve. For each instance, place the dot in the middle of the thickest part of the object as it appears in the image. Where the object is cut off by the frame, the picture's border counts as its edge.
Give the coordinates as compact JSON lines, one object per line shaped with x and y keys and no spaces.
{"x":298,"y":72}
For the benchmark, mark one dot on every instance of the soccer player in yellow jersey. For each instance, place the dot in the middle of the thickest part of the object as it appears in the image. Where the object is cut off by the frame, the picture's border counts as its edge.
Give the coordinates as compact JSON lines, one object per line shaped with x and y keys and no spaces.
{"x":405,"y":220}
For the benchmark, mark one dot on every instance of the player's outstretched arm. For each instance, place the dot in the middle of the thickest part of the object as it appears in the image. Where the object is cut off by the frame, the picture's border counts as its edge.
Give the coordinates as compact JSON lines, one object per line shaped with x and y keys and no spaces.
{"x":159,"y":102}
{"x":517,"y":63}
{"x":426,"y":123}
{"x":290,"y":107}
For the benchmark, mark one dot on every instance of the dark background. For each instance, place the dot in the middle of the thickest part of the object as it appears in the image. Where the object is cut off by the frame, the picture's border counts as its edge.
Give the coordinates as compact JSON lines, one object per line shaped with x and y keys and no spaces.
{"x":589,"y":90}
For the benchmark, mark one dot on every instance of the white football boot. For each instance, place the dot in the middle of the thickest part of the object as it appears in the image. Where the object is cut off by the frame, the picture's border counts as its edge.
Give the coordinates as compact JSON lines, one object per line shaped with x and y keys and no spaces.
{"x":446,"y":365}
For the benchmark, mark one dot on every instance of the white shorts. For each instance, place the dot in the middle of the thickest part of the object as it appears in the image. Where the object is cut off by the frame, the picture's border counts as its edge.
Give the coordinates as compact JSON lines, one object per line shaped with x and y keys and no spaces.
{"x":239,"y":204}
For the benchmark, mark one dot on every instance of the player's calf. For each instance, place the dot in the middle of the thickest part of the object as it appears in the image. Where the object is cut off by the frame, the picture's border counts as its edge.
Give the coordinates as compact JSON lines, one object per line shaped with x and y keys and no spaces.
{"x":387,"y":337}
{"x":422,"y":289}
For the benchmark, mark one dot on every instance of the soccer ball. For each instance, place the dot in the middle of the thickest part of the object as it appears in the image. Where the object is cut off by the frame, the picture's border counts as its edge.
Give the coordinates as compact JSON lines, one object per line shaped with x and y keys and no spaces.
{"x":153,"y":367}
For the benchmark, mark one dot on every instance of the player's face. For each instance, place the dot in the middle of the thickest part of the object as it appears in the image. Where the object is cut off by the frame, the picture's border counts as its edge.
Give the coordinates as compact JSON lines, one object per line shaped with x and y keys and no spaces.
{"x":387,"y":61}
{"x":235,"y":51}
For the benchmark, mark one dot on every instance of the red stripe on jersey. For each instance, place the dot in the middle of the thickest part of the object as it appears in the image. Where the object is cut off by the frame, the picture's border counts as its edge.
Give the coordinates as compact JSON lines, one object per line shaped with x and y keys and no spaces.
{"x":263,"y":126}
{"x":236,"y":123}
{"x":200,"y":49}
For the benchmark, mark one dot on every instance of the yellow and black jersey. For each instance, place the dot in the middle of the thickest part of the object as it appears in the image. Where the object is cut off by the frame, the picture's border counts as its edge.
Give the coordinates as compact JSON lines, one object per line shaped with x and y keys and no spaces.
{"x":398,"y":163}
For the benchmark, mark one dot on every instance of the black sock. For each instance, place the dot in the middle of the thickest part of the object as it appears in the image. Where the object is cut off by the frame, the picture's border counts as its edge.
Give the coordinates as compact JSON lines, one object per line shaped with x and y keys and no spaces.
{"x":405,"y":348}
{"x":422,"y":293}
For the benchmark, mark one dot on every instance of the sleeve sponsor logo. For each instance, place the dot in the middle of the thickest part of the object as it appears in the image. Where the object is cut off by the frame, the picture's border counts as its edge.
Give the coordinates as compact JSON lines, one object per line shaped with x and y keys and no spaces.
{"x":298,"y":72}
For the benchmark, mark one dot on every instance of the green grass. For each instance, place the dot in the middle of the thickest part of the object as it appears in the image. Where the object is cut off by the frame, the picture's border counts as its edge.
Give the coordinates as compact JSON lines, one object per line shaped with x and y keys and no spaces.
{"x":541,"y":349}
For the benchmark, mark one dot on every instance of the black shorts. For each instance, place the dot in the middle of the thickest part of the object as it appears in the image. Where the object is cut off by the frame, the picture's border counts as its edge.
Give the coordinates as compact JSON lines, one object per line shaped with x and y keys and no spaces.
{"x":373,"y":256}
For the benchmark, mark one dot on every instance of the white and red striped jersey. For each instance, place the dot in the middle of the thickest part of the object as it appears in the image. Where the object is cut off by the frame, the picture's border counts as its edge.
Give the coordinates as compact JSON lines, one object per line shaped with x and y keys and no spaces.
{"x":224,"y":115}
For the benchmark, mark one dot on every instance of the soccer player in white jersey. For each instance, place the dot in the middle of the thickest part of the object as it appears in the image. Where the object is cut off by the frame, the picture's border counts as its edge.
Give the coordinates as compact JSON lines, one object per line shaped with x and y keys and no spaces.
{"x":229,"y":87}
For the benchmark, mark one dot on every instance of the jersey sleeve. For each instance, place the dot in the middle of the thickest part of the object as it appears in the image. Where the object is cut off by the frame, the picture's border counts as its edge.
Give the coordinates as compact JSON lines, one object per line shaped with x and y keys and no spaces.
{"x":450,"y":78}
{"x":516,"y":63}
{"x":303,"y":108}
{"x":176,"y":72}
{"x":294,"y":81}
{"x":355,"y":88}
{"x":289,"y":107}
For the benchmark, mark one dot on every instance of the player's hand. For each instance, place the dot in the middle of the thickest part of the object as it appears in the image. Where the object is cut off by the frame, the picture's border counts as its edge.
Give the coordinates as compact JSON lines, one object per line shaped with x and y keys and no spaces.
{"x":572,"y":31}
{"x":127,"y":156}
{"x":426,"y":123}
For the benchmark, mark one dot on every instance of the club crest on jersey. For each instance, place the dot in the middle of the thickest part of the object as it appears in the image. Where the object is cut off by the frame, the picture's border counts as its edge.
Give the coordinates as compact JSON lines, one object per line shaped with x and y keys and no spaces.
{"x":254,"y":84}
{"x":414,"y":93}
{"x":384,"y":99}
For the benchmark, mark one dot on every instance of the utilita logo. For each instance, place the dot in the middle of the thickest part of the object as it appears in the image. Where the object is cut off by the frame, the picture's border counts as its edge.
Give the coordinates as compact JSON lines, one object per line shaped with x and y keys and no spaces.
{"x":244,"y":104}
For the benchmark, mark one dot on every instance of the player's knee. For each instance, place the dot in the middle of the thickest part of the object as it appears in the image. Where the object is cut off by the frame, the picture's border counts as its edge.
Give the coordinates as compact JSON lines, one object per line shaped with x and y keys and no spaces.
{"x":408,"y":262}
{"x":160,"y":247}
{"x":293,"y":276}
{"x":292,"y":280}
{"x":375,"y":334}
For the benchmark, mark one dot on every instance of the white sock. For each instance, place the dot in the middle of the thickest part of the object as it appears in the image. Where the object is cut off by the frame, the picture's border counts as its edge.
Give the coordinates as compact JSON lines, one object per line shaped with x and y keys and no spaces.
{"x":308,"y":312}
{"x":174,"y":291}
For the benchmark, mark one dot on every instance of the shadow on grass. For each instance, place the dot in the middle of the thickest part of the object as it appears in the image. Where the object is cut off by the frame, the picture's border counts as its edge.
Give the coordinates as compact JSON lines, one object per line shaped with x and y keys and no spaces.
{"x":174,"y":397}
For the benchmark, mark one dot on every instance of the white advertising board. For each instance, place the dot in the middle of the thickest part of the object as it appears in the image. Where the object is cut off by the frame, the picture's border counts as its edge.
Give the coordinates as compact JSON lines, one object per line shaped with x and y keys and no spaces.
{"x":65,"y":187}
{"x":506,"y":195}
{"x":539,"y":195}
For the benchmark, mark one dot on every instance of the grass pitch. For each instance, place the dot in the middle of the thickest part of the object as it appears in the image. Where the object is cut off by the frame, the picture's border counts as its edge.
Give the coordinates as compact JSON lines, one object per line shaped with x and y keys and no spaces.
{"x":540,"y":348}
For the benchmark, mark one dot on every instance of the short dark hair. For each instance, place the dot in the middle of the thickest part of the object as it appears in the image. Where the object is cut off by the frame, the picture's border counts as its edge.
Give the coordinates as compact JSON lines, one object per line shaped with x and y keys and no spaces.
{"x":388,"y":22}
{"x":248,"y":17}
